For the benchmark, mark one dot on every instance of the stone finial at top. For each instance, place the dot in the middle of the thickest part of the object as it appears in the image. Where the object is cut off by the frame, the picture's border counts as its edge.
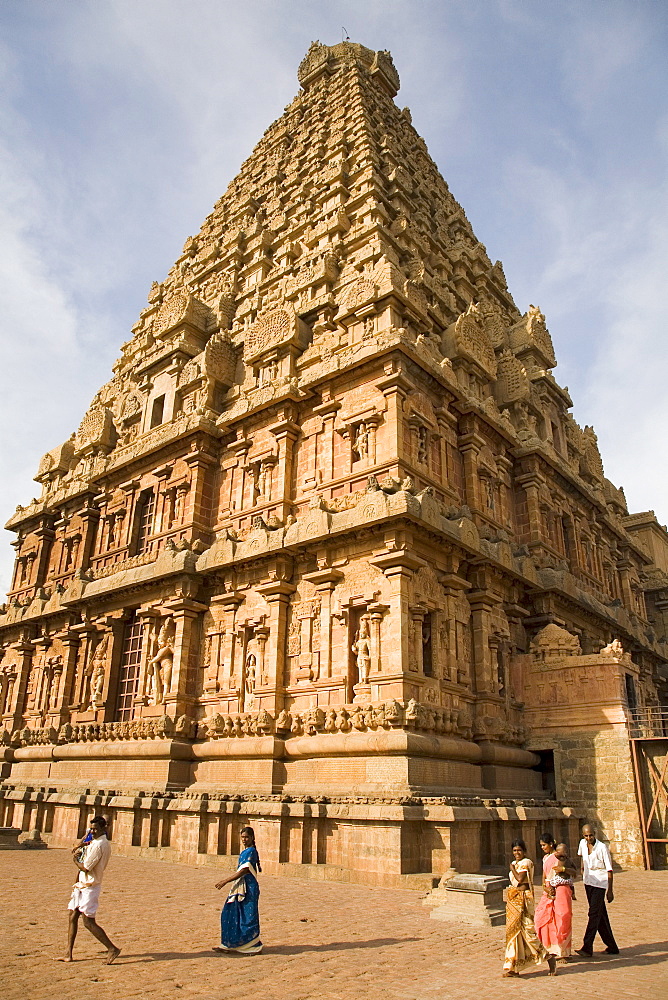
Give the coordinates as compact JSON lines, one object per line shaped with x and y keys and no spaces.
{"x":553,"y":642}
{"x":531,"y":337}
{"x":326,"y":59}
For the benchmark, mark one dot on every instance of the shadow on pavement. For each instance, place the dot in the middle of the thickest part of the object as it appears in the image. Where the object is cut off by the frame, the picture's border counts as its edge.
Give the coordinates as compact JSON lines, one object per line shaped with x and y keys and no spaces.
{"x":637,"y":954}
{"x":128,"y":958}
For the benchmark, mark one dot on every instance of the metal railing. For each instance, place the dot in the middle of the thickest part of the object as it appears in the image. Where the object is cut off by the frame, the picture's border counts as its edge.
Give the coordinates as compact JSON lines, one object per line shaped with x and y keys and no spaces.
{"x":648,"y":723}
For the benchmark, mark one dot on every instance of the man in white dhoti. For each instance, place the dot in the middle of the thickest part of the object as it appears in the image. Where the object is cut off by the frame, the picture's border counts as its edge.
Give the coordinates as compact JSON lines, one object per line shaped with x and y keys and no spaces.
{"x":86,"y":892}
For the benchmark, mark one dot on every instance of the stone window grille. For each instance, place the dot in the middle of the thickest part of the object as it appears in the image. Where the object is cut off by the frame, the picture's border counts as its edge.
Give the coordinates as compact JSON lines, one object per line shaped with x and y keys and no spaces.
{"x":144,"y":521}
{"x":128,"y":677}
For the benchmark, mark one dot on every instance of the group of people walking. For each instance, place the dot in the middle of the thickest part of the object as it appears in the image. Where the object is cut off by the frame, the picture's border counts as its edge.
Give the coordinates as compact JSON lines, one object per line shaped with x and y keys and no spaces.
{"x":534,"y":934}
{"x":239,"y":919}
{"x":543,"y":933}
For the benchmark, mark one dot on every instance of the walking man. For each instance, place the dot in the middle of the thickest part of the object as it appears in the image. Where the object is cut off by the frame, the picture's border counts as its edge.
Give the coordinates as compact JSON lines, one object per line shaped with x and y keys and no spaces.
{"x":596,"y":865}
{"x":86,"y":892}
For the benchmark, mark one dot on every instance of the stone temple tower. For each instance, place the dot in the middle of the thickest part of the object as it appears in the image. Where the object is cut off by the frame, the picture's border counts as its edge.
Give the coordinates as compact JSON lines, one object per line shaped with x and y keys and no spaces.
{"x":328,"y":553}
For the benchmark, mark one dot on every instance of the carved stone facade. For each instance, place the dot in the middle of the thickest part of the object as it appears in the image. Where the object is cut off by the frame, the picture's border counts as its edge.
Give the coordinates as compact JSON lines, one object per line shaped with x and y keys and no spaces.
{"x":328,"y":551}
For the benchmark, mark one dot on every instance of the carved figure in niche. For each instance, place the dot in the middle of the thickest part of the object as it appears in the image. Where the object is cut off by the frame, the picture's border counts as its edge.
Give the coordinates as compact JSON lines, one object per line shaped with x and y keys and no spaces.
{"x":268,"y":374}
{"x":362,"y":650}
{"x":249,"y":680}
{"x":7,"y":678}
{"x":160,"y":667}
{"x":422,"y":444}
{"x":111,"y":539}
{"x":97,"y":686}
{"x":263,"y":481}
{"x":500,"y":673}
{"x":55,"y":665}
{"x":96,"y":664}
{"x":361,"y":443}
{"x":427,"y":652}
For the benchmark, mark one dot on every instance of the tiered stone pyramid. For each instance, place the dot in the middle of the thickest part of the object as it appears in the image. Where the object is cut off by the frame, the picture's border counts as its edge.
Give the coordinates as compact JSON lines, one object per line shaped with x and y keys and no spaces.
{"x":329,"y":531}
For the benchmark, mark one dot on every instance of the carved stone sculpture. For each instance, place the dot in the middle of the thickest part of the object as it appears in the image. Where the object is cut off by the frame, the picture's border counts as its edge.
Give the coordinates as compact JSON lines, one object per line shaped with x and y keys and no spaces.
{"x":160,"y":666}
{"x":362,"y":650}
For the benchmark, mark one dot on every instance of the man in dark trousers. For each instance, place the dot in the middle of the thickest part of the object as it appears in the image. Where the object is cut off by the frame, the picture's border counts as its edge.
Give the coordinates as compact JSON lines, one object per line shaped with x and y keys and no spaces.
{"x":596,"y":865}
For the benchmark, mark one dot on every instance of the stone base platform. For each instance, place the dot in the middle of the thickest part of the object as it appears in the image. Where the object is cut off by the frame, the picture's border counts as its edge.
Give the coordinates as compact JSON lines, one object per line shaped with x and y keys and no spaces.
{"x":407,"y":842}
{"x":9,"y":838}
{"x":469,"y":899}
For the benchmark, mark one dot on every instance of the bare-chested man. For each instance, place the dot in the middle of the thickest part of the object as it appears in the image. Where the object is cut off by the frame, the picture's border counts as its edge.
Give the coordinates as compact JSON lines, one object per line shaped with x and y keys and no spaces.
{"x":86,"y":892}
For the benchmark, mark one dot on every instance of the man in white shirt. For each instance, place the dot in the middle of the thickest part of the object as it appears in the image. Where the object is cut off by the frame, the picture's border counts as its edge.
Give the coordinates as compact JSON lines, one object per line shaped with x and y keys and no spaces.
{"x":596,"y":865}
{"x":86,"y":892}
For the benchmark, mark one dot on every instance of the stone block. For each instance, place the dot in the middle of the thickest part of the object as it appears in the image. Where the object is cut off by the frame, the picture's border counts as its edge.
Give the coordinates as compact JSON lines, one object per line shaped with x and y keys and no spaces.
{"x":9,"y":838}
{"x":471,"y":899}
{"x":33,"y":841}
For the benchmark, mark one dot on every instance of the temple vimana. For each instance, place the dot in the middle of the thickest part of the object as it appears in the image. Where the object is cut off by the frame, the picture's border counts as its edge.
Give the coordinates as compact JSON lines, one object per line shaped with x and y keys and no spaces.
{"x":328,"y":553}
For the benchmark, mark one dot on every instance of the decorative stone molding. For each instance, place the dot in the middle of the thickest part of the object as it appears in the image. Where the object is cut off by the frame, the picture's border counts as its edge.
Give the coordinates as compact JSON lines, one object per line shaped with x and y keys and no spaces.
{"x":274,"y":329}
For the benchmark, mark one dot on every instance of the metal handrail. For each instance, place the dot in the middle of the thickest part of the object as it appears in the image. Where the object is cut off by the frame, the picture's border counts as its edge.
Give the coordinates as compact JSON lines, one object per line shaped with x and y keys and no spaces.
{"x":648,"y":723}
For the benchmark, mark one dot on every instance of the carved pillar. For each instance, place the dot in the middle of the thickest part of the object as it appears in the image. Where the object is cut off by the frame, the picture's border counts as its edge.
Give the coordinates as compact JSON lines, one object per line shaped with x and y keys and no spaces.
{"x":399,"y":567}
{"x":624,"y":567}
{"x":447,"y":423}
{"x":39,"y":678}
{"x":201,"y":525}
{"x":277,"y":595}
{"x":469,"y":445}
{"x":70,"y":640}
{"x":504,"y":465}
{"x":417,"y":615}
{"x":327,"y":411}
{"x":484,"y":661}
{"x":237,"y":471}
{"x":23,"y":652}
{"x":187,"y":618}
{"x":55,"y":698}
{"x":150,"y":619}
{"x":45,"y":534}
{"x":325,"y":580}
{"x":261,"y":637}
{"x":90,"y":517}
{"x":376,"y":612}
{"x":531,"y":483}
{"x":223,"y":645}
{"x":395,"y":386}
{"x":286,"y":432}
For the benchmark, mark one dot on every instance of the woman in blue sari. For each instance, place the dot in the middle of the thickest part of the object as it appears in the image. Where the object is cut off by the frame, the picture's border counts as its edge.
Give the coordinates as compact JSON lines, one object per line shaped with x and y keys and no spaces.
{"x":240,"y":917}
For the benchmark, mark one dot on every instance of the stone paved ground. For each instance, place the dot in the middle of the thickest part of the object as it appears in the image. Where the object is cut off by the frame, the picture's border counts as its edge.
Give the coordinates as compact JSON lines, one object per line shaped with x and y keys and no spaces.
{"x":322,"y":939}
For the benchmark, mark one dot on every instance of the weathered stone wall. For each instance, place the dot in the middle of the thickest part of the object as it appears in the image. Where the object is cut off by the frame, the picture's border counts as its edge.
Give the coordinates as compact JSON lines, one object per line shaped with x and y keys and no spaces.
{"x":595,"y":775}
{"x":408,"y":844}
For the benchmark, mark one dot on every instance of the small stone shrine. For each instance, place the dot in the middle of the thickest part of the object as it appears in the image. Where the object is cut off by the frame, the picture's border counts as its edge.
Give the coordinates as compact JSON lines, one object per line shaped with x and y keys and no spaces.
{"x":329,"y":554}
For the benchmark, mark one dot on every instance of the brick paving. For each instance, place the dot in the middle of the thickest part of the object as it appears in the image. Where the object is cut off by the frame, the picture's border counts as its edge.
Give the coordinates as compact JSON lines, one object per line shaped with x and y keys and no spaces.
{"x":328,"y":940}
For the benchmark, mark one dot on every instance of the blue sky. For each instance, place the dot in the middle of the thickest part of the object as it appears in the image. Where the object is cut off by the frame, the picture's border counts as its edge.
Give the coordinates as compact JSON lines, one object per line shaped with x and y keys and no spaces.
{"x":124,"y":120}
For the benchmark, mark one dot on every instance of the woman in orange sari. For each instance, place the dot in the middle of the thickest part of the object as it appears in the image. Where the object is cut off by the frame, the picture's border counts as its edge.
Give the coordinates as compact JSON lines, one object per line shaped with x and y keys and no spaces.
{"x":523,"y":949}
{"x":554,"y":913}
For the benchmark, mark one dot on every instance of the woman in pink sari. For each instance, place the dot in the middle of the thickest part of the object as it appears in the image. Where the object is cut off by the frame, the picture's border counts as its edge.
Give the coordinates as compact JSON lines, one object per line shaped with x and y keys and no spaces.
{"x":554,"y":913}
